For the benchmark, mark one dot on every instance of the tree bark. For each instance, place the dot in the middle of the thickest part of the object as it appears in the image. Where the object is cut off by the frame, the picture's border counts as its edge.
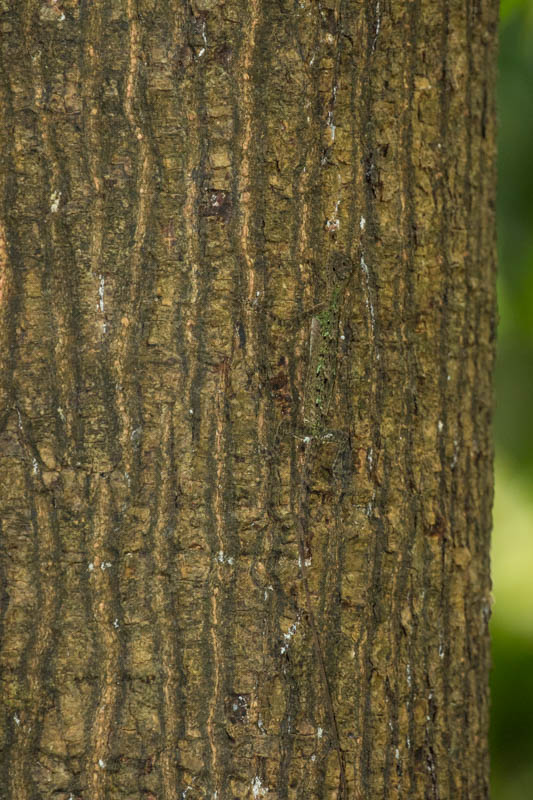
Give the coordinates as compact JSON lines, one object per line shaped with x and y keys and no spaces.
{"x":248,"y":310}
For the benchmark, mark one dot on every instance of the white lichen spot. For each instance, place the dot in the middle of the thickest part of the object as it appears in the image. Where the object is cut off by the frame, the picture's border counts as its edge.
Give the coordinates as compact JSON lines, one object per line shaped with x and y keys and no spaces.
{"x":35,"y":466}
{"x":334,"y":223}
{"x":378,"y":25}
{"x":101,"y":294}
{"x":319,"y":733}
{"x":369,"y":305}
{"x":101,"y":763}
{"x":408,"y":671}
{"x":454,"y":459}
{"x":397,"y":754}
{"x":440,"y":425}
{"x":441,"y":651}
{"x":258,"y":790}
{"x":105,"y":565}
{"x":204,"y":37}
{"x":343,"y":337}
{"x":61,"y":413}
{"x":55,"y":197}
{"x":115,"y":623}
{"x":191,"y":411}
{"x":362,"y":223}
{"x":332,"y":127}
{"x":260,"y":725}
{"x":16,"y":718}
{"x":91,"y":566}
{"x":288,"y":636}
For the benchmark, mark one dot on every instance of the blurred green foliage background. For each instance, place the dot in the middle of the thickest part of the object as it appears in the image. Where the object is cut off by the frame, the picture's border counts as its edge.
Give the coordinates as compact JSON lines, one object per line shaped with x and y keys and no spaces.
{"x":512,"y":547}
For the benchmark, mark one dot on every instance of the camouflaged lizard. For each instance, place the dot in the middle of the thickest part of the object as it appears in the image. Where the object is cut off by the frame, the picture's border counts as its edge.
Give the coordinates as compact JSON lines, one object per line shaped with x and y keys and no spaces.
{"x":317,"y":401}
{"x":322,"y":367}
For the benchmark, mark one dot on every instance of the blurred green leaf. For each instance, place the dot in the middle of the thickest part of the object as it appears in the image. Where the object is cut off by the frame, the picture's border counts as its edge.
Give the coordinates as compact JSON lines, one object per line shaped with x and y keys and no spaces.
{"x":510,"y":7}
{"x":511,"y":714}
{"x":512,"y":548}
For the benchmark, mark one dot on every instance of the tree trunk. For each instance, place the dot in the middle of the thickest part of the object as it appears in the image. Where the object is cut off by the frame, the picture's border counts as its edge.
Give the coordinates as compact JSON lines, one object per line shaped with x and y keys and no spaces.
{"x":248,"y":314}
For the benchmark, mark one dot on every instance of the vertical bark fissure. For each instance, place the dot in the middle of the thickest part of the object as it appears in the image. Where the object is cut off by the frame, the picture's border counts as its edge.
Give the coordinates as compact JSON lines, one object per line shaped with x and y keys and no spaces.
{"x":20,"y":780}
{"x":12,"y":294}
{"x":470,"y":785}
{"x":409,"y":395}
{"x":302,"y":525}
{"x":145,"y":194}
{"x":218,"y":556}
{"x":159,"y":606}
{"x":107,"y":633}
{"x":479,"y":545}
{"x":373,"y":611}
{"x":444,"y":646}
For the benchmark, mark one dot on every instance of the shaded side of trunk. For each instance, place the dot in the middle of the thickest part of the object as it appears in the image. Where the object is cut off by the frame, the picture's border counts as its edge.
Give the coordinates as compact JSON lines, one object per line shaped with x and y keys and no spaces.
{"x":247,"y":317}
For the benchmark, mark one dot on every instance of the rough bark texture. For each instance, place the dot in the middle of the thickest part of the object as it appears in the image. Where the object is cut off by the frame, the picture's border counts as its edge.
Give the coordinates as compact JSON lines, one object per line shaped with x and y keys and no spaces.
{"x":247,"y":331}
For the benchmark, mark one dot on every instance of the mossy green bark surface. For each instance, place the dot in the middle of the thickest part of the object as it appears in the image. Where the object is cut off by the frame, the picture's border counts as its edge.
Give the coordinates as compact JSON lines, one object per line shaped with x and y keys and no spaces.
{"x":208,"y":592}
